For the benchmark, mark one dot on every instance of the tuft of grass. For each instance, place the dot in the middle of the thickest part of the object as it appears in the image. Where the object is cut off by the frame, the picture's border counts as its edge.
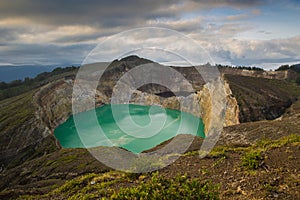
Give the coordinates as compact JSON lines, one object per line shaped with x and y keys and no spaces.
{"x":219,"y":152}
{"x":270,"y":144}
{"x":252,"y":159}
{"x":219,"y":161}
{"x":148,"y":163}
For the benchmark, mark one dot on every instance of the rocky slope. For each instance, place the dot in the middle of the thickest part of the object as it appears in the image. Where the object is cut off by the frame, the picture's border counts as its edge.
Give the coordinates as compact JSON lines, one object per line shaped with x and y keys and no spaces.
{"x":260,"y":98}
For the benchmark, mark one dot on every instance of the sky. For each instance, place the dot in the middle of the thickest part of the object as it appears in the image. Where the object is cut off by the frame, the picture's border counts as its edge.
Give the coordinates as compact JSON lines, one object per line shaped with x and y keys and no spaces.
{"x":60,"y":33}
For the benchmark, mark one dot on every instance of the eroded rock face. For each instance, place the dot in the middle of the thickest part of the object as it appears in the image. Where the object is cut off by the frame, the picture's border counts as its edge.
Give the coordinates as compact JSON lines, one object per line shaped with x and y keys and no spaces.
{"x":232,"y":108}
{"x":55,"y":101}
{"x":216,"y":99}
{"x":199,"y":104}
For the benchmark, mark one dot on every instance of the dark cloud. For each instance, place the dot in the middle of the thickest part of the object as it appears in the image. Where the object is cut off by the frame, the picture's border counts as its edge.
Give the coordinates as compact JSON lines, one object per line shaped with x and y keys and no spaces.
{"x":104,"y":13}
{"x":109,"y":13}
{"x":78,"y":38}
{"x":8,"y":34}
{"x":233,"y":3}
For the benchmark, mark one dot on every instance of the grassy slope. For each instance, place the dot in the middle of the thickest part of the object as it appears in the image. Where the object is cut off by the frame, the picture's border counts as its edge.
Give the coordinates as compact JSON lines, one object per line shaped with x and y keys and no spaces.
{"x":20,"y":133}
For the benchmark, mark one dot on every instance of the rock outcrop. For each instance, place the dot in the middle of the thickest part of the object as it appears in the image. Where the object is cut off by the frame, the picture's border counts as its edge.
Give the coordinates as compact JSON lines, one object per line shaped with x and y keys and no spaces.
{"x":54,"y":102}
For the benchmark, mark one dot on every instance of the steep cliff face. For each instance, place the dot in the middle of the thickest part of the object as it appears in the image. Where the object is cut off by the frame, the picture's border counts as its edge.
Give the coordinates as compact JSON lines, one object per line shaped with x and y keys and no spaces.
{"x":200,"y":104}
{"x":232,"y":108}
{"x":54,"y":102}
{"x":214,"y":97}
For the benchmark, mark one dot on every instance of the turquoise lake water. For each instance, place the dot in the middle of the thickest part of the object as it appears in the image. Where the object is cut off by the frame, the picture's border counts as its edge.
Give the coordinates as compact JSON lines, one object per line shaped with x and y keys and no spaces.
{"x":130,"y":126}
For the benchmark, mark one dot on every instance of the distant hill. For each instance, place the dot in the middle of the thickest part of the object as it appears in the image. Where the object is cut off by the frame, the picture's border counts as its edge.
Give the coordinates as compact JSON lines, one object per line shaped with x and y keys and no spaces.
{"x":295,"y":68}
{"x":18,"y":87}
{"x":11,"y":73}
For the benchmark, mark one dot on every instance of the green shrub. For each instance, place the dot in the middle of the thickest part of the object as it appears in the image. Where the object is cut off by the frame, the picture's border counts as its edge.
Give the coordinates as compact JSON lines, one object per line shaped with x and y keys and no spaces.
{"x":252,"y":160}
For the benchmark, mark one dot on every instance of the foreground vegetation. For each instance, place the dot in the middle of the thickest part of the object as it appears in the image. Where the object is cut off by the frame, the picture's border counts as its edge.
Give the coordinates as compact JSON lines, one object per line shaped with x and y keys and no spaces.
{"x":148,"y":186}
{"x":251,"y":163}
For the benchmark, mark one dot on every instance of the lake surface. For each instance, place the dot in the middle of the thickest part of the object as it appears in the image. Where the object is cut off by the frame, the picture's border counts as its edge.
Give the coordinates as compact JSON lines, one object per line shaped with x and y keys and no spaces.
{"x":130,"y":126}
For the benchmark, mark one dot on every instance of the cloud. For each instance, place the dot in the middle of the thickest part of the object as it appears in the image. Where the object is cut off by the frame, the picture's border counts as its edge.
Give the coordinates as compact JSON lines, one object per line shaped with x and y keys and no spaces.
{"x":216,"y":32}
{"x":258,"y":52}
{"x":94,"y":12}
{"x":265,"y":32}
{"x":62,"y":34}
{"x":256,"y":12}
{"x":106,"y":13}
{"x":53,"y":32}
{"x":181,"y":25}
{"x":237,"y":17}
